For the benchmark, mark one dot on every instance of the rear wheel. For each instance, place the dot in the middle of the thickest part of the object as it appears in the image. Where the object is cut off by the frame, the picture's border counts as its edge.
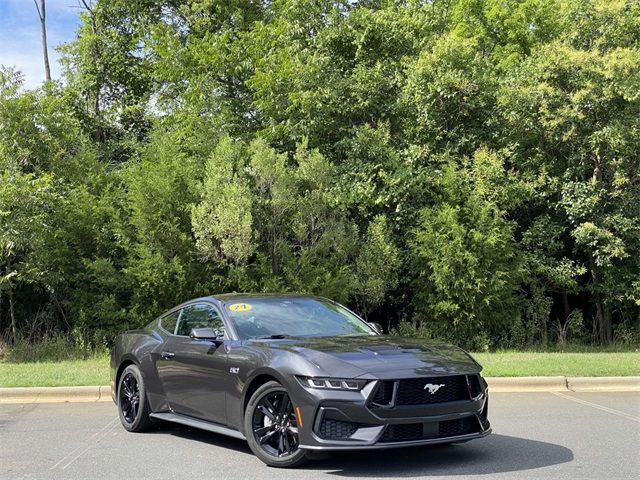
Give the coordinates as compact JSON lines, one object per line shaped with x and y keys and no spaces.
{"x":271,"y":427}
{"x":133,"y":407}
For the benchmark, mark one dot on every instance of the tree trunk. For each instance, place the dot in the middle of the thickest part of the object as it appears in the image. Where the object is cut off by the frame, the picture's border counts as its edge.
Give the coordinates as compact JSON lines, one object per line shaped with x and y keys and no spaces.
{"x":598,"y":325}
{"x":12,"y":315}
{"x":565,"y":305}
{"x":97,"y":53}
{"x":607,"y":327}
{"x":603,"y":315}
{"x":275,"y":260}
{"x":42,"y":14}
{"x":603,"y":321}
{"x":563,"y":325}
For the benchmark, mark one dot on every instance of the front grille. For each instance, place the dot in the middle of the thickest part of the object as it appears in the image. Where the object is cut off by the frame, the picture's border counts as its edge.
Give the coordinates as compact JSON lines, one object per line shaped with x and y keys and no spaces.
{"x":414,"y":391}
{"x":337,"y":429}
{"x":420,"y":431}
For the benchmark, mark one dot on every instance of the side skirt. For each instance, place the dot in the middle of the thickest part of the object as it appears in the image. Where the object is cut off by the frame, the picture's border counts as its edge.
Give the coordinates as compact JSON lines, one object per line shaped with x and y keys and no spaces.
{"x":201,"y":424}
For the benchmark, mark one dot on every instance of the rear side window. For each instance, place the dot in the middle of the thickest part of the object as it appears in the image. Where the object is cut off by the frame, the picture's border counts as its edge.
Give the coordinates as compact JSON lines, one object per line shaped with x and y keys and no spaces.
{"x":169,"y":322}
{"x":199,"y":316}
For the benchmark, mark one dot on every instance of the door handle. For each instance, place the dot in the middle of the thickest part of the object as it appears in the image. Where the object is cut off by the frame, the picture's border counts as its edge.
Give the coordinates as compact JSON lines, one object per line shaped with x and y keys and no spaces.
{"x":168,"y":355}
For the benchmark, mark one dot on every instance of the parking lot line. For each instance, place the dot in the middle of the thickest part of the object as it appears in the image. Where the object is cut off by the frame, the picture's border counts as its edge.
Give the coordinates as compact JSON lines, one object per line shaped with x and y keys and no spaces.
{"x":595,"y":405}
{"x":106,"y":428}
{"x":95,"y":441}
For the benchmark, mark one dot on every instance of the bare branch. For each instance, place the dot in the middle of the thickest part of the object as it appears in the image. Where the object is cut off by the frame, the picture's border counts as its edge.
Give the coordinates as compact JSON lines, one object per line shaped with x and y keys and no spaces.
{"x":35,"y":2}
{"x":42,"y":14}
{"x":88,"y":7}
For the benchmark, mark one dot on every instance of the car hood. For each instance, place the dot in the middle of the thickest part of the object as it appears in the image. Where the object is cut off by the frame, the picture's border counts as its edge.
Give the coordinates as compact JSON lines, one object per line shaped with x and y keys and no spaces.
{"x":381,"y":356}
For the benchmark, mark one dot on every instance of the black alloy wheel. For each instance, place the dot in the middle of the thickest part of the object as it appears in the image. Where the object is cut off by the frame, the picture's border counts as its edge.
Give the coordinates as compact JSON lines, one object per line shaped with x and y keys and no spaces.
{"x":129,"y":397}
{"x":133,"y":408}
{"x":274,"y":424}
{"x":272,"y":427}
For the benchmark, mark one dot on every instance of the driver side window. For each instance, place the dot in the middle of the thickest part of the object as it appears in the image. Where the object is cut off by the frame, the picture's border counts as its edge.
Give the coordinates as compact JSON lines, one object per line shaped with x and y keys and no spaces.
{"x":199,"y":316}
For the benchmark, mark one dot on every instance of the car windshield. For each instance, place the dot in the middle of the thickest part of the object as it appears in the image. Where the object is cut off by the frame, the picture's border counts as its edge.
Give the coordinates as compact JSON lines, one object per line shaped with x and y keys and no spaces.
{"x":295,"y":317}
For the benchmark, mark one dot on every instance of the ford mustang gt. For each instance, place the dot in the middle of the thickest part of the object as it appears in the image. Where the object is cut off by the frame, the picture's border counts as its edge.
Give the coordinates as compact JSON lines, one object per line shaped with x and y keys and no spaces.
{"x":292,"y":374}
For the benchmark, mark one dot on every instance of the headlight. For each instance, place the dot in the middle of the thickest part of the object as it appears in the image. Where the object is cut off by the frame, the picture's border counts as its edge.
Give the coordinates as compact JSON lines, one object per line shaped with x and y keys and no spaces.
{"x":332,"y":383}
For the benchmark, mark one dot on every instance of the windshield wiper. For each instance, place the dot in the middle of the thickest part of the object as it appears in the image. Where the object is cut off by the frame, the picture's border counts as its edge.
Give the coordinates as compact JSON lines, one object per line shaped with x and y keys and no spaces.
{"x":275,"y":336}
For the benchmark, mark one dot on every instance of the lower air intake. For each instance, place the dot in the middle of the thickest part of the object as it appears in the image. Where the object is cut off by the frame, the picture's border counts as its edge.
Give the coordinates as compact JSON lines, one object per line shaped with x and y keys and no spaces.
{"x":337,"y":429}
{"x":420,"y":431}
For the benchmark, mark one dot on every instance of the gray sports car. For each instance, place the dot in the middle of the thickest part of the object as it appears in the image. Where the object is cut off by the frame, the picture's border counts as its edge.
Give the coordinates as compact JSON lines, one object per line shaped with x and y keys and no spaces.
{"x":292,"y":374}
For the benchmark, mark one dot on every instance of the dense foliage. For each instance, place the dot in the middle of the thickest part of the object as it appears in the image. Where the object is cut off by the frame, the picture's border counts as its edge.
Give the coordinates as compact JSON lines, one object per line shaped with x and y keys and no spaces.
{"x":467,"y":169}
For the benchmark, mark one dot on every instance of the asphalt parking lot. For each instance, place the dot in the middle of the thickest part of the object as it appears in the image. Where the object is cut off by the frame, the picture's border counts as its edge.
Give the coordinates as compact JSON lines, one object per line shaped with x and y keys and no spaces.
{"x":536,"y":436}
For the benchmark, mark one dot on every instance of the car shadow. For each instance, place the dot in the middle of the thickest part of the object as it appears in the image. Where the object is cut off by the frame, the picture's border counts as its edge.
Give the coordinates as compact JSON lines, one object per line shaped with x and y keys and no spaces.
{"x":198,"y":435}
{"x":491,"y":455}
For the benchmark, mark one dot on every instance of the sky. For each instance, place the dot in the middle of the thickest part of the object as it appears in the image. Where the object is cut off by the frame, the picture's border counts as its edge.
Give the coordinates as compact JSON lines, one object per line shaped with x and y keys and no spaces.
{"x":20,"y":36}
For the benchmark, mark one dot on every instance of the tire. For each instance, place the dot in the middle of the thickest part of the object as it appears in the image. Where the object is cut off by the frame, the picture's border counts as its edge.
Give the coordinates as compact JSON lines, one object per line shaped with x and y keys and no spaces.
{"x":133,"y":406}
{"x":269,"y":417}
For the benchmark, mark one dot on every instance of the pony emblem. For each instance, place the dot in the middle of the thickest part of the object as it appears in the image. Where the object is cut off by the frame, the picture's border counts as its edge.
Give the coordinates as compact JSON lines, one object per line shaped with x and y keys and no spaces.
{"x":432,"y":388}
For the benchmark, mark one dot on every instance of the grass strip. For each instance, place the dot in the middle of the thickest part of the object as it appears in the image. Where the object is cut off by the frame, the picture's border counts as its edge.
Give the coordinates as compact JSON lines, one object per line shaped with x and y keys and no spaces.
{"x":64,"y":373}
{"x":95,"y":370}
{"x":586,"y":364}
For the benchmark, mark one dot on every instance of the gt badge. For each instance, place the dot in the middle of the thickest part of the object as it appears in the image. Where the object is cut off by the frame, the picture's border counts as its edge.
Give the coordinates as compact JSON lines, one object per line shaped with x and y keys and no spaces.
{"x":234,"y":370}
{"x":432,"y":388}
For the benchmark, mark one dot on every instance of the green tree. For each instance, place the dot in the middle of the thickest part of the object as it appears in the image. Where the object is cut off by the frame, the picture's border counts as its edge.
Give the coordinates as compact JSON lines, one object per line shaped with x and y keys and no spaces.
{"x":467,"y":262}
{"x":222,"y":220}
{"x":574,"y":112}
{"x":24,"y":204}
{"x":376,"y":267}
{"x":469,"y":166}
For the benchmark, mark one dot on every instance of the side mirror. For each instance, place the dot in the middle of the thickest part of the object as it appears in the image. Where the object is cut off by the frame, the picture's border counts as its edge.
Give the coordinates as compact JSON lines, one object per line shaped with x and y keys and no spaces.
{"x":377,"y":327}
{"x":206,"y":334}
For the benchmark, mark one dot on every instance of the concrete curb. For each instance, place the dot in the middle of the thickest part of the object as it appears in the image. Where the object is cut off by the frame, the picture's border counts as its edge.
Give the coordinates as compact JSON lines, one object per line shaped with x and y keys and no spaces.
{"x":563,"y":384}
{"x":55,"y":394}
{"x":603,"y":384}
{"x":496,"y":385}
{"x":526,"y":384}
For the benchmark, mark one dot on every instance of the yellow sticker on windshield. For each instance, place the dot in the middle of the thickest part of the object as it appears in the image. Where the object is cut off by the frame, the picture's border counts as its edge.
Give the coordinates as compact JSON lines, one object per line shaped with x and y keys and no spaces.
{"x":240,"y":307}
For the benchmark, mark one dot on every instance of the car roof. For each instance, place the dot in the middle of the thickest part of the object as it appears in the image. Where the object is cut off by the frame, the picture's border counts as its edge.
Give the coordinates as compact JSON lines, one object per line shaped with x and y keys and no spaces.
{"x":231,"y":297}
{"x":225,"y":298}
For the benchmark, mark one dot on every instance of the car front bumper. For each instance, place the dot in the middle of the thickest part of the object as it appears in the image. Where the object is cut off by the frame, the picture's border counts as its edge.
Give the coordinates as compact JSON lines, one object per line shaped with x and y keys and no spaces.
{"x":348,"y":420}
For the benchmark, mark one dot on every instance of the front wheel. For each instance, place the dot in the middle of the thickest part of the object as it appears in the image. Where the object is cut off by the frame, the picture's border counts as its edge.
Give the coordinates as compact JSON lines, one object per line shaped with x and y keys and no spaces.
{"x":271,"y":427}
